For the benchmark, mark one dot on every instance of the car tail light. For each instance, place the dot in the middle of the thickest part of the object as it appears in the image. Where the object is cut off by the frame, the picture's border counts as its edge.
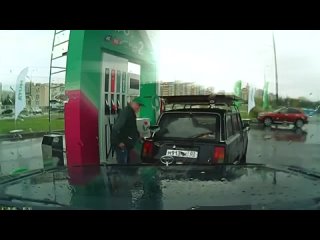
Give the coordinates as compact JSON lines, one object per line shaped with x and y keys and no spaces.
{"x":218,"y":155}
{"x":147,"y":150}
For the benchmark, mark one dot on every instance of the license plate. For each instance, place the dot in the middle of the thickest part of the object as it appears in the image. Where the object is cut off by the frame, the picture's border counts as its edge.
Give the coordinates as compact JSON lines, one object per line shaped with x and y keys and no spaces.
{"x":182,"y":153}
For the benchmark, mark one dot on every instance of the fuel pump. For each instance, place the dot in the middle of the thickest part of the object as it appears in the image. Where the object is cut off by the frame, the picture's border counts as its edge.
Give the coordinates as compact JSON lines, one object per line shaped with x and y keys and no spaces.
{"x":119,"y":88}
{"x":108,"y":129}
{"x":117,"y":96}
{"x":113,"y":114}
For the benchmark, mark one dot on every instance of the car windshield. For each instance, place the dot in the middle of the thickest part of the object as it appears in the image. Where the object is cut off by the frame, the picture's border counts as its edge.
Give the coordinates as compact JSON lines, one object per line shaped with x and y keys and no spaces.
{"x":159,"y":119}
{"x":194,"y":126}
{"x":280,"y":110}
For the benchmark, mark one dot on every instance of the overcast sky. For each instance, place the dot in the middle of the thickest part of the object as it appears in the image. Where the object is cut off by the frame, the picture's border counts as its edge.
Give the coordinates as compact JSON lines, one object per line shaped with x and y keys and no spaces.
{"x":211,"y":58}
{"x":20,"y":49}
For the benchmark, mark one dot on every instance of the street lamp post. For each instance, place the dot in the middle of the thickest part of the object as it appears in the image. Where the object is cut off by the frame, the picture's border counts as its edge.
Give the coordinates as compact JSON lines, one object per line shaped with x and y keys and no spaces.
{"x":276,"y":67}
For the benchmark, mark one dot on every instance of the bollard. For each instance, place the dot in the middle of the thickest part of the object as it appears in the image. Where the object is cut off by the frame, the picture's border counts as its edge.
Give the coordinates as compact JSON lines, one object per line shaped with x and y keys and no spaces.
{"x":52,"y":150}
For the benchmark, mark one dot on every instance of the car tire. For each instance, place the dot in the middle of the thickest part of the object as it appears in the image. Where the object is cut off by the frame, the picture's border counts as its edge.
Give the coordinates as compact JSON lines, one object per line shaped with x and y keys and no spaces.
{"x":299,"y":123}
{"x":267,"y":122}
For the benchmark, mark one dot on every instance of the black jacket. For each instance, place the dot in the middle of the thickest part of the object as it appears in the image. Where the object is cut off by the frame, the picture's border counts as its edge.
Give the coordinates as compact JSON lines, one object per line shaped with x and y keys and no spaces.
{"x":125,"y":129}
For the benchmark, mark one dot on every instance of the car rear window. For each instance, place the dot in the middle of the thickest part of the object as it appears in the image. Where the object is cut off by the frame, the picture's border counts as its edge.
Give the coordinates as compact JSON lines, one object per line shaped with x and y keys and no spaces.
{"x":186,"y":125}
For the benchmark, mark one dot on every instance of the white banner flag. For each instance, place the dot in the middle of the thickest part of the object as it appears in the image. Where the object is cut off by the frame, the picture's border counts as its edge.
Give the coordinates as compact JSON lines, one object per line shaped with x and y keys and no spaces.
{"x":20,"y":98}
{"x":251,"y":102}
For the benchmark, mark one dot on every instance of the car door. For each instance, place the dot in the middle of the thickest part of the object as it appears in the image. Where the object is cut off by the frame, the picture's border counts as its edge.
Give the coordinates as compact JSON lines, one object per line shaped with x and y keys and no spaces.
{"x":282,"y":116}
{"x":229,"y":136}
{"x":292,"y":115}
{"x":238,"y":135}
{"x":243,"y":134}
{"x":233,"y":139}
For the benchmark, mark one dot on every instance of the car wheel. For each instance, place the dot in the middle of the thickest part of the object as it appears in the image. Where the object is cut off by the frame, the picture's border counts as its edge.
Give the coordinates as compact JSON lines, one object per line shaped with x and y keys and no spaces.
{"x":299,"y":123}
{"x":267,"y":122}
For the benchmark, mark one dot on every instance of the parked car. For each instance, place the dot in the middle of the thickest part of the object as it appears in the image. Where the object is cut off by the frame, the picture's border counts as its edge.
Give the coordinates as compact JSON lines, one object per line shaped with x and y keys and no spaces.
{"x":7,"y":112}
{"x":36,"y":111}
{"x":309,"y":112}
{"x":284,"y":115}
{"x":56,"y":105}
{"x":202,"y":135}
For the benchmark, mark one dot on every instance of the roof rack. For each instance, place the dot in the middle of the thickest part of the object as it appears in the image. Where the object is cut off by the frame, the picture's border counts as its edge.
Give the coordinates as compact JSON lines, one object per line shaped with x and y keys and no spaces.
{"x":213,"y":101}
{"x":202,"y":99}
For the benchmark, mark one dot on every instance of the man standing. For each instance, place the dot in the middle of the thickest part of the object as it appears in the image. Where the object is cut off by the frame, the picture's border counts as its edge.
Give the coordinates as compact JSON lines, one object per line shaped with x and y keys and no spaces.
{"x":125,"y":132}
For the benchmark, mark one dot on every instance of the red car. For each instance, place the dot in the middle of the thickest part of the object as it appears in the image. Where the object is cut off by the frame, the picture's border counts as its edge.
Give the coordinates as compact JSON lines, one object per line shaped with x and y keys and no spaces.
{"x":282,"y":115}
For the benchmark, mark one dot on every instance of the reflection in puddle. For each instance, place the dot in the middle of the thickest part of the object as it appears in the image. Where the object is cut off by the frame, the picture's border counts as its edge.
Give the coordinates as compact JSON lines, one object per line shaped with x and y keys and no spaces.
{"x":281,"y":133}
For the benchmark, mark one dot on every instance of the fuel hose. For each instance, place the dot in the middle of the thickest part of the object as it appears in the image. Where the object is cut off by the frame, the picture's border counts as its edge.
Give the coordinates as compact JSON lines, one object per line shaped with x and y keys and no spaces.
{"x":108,"y":112}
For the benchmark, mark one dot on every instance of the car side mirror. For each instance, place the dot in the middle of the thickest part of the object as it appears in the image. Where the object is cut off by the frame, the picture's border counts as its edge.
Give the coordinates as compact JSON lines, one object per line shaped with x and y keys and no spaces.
{"x":154,"y":128}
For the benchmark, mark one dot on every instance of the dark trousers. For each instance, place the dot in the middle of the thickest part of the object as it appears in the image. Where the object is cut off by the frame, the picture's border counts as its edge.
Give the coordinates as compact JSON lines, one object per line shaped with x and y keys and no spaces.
{"x":122,"y":155}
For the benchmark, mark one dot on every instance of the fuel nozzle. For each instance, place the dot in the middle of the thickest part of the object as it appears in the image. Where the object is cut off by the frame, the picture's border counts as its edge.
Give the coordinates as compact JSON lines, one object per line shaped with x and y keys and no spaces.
{"x":118,"y":107}
{"x":107,"y":108}
{"x":113,"y":108}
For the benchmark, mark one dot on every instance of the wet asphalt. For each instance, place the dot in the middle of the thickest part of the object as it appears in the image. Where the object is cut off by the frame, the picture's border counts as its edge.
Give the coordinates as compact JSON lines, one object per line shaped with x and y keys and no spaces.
{"x":283,"y":145}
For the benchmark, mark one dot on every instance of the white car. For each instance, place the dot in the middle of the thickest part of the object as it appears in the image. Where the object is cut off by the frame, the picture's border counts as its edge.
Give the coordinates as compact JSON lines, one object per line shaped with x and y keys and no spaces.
{"x":36,"y":111}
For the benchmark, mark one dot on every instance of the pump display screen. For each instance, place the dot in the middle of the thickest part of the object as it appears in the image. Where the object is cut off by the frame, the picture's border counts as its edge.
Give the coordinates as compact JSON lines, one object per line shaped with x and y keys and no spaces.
{"x":107,"y":79}
{"x":118,"y":81}
{"x":113,"y":80}
{"x":134,"y":83}
{"x":124,"y":82}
